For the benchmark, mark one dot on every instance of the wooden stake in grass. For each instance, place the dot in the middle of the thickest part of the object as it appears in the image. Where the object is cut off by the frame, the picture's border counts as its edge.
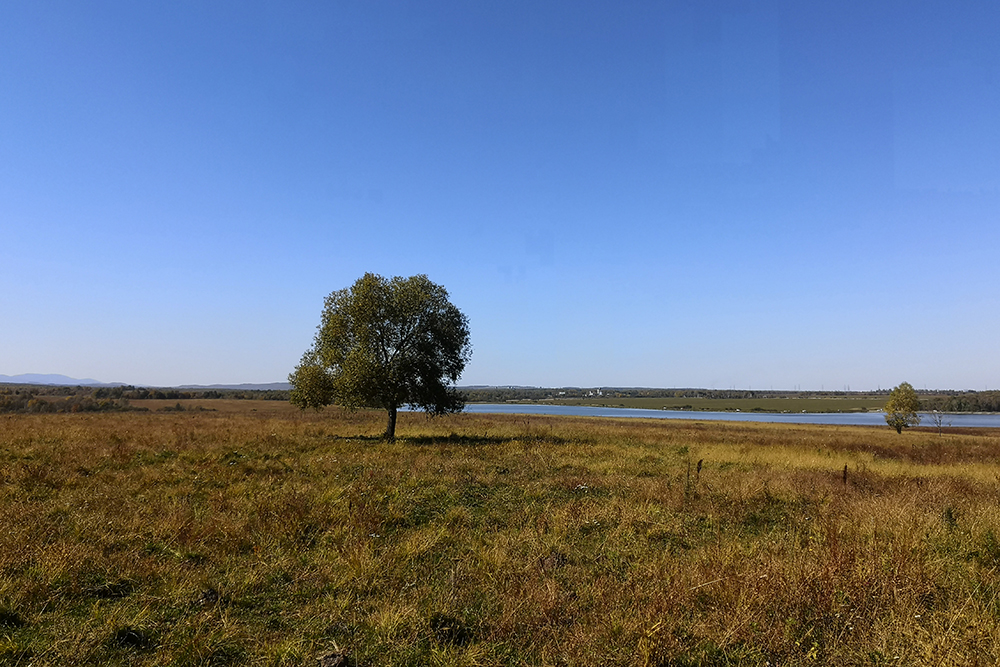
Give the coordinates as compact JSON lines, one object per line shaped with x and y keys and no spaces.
{"x":845,"y":475}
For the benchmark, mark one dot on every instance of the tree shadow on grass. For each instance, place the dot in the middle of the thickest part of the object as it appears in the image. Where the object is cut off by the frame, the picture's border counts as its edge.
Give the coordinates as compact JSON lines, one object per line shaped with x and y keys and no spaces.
{"x":358,"y":438}
{"x":454,"y":439}
{"x":478,"y":440}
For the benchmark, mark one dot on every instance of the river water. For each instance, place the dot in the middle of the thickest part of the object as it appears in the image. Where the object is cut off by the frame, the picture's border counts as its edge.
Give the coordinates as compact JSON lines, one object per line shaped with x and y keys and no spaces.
{"x":840,"y":418}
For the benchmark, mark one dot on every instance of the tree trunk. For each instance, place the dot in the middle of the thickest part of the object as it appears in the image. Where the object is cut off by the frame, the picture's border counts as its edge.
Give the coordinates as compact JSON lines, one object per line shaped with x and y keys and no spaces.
{"x":390,"y":429}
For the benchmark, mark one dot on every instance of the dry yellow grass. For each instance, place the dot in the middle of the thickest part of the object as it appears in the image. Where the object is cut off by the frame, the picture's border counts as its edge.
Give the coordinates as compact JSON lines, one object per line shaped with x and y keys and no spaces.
{"x":255,"y":534}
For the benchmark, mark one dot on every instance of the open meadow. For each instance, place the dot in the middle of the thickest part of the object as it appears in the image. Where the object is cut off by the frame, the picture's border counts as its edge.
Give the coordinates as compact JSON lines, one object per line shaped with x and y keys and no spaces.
{"x":250,"y":533}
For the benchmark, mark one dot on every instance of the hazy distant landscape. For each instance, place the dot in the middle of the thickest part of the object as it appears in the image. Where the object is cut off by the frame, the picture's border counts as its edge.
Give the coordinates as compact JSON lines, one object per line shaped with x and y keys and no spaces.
{"x":66,"y":381}
{"x":60,"y":387}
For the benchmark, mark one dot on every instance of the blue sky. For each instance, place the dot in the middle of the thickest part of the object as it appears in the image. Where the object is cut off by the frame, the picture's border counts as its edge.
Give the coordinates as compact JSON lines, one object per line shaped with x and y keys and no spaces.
{"x":708,"y":194}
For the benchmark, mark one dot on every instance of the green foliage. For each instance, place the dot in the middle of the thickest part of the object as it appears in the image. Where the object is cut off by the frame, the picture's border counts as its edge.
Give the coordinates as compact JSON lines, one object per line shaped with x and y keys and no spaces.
{"x":312,"y":383}
{"x":902,"y":407}
{"x":35,"y":401}
{"x":964,"y":401}
{"x":385,"y":344}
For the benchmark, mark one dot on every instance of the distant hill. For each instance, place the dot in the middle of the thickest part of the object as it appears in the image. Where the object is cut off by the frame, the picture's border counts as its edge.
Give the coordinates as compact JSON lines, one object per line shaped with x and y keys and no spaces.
{"x":66,"y":381}
{"x":55,"y":379}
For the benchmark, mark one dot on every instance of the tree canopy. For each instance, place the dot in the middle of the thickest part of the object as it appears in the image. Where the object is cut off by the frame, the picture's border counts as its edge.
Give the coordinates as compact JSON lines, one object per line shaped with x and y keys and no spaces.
{"x":902,"y":407}
{"x":385,"y":344}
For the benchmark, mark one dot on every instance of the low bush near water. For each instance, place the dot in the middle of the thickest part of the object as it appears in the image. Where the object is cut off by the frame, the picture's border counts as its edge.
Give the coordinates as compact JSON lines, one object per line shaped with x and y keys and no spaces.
{"x":239,"y":537}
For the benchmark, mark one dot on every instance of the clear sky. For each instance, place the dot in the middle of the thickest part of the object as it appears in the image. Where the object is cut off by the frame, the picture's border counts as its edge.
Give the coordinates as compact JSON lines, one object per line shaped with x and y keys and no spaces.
{"x":708,"y":194}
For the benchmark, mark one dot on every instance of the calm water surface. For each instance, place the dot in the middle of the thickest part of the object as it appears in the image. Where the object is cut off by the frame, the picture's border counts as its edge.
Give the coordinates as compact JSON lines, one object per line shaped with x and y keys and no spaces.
{"x":841,"y":418}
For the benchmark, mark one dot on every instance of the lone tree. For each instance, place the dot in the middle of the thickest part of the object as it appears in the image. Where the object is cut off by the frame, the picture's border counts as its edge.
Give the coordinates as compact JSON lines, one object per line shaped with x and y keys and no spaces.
{"x":901,"y":408}
{"x":385,"y":344}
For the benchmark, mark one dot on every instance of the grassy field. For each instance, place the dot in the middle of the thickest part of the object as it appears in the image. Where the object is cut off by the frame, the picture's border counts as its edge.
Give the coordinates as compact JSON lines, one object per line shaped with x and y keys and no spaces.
{"x":248,"y":533}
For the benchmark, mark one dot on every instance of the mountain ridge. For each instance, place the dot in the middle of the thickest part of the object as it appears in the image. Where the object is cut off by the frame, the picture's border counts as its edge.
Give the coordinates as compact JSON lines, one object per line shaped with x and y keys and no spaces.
{"x":58,"y":380}
{"x":55,"y":379}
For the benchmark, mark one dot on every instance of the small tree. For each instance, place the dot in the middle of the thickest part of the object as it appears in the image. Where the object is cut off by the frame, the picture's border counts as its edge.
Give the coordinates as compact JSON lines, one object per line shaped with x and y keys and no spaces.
{"x":902,"y":407}
{"x":385,"y":344}
{"x":938,"y":419}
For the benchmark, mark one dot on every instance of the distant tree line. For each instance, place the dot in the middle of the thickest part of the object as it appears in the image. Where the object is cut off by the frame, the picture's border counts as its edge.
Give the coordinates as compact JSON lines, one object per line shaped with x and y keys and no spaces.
{"x":53,"y":399}
{"x":31,"y":401}
{"x":503,"y":394}
{"x":966,"y":401}
{"x":944,"y":401}
{"x":140,"y":393}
